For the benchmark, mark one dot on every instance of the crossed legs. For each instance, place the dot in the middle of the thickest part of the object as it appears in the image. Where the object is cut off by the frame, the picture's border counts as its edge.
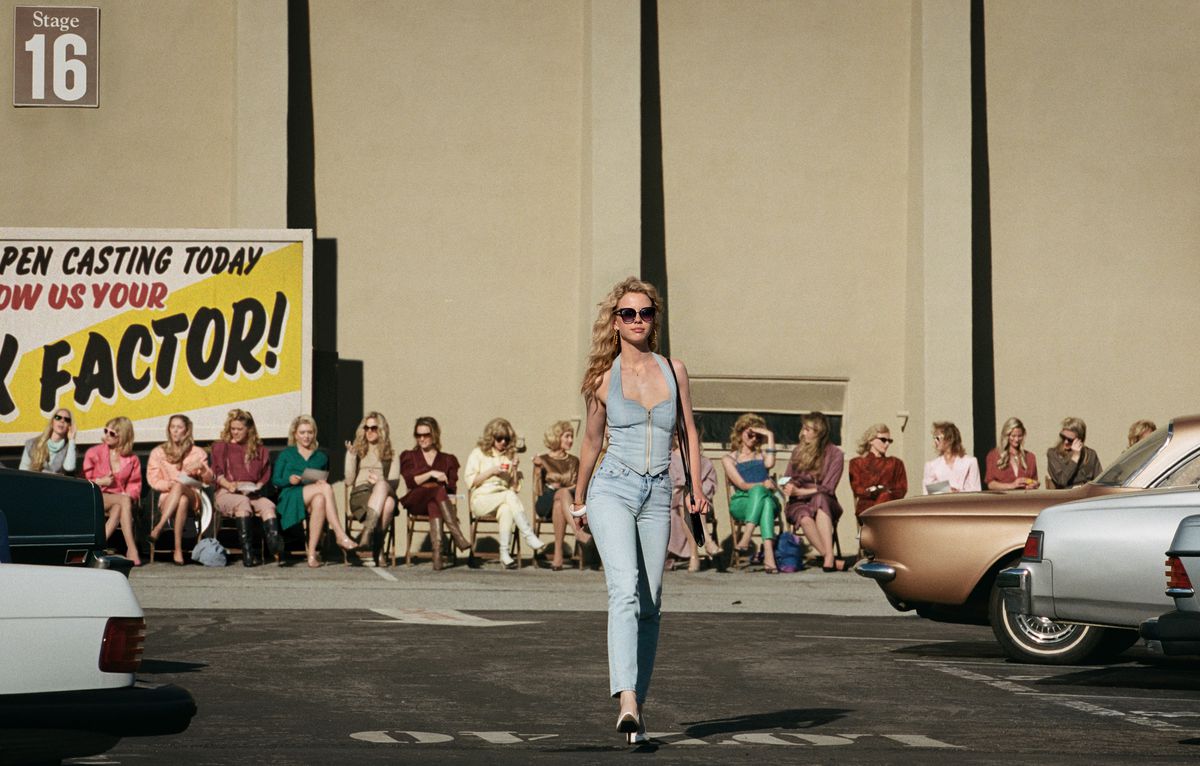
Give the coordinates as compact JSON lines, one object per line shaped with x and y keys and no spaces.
{"x":118,"y":509}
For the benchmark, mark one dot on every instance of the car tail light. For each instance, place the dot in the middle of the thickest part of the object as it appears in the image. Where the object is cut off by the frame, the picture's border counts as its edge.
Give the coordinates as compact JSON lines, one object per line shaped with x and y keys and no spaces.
{"x":121,"y":649}
{"x":1177,"y":576}
{"x":1033,"y":547}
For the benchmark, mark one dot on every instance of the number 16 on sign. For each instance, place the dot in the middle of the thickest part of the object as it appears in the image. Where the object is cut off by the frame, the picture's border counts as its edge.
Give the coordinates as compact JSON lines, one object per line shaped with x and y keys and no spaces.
{"x":57,"y":56}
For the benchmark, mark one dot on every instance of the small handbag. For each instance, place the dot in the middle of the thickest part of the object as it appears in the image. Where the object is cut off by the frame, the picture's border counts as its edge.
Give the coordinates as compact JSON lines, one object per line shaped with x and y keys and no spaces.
{"x":697,"y":521}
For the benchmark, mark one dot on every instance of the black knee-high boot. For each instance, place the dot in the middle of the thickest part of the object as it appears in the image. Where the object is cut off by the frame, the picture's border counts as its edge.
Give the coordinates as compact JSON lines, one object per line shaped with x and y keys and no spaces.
{"x":274,"y":536}
{"x":247,"y":541}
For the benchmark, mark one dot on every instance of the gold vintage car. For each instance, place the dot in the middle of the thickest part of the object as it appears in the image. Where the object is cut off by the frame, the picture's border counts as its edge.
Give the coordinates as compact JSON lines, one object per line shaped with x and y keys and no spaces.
{"x":940,"y":554}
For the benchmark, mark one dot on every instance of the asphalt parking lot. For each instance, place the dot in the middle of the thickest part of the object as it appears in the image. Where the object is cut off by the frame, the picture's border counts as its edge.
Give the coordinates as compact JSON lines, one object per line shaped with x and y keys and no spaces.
{"x":416,"y":679}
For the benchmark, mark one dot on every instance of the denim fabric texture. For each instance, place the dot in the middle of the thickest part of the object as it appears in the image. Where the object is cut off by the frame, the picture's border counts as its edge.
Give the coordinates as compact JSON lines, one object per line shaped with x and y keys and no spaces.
{"x":629,"y":515}
{"x":637,"y":437}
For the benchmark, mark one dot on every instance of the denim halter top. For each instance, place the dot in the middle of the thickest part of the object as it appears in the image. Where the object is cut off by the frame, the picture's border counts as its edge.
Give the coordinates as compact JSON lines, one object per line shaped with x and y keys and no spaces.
{"x":753,"y":470}
{"x":639,"y":438}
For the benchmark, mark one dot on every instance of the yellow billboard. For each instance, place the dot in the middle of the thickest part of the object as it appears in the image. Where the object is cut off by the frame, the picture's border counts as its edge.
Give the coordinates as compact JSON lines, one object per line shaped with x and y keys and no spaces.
{"x":146,"y":323}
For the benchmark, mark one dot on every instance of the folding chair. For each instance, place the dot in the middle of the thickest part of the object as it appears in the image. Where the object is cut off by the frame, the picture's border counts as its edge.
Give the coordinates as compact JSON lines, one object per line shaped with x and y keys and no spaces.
{"x":411,"y":522}
{"x":476,"y":521}
{"x":389,"y":534}
{"x":576,"y":548}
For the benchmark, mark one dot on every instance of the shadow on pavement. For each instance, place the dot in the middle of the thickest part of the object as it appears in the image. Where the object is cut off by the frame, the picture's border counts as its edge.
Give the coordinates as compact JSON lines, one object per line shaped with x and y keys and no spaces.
{"x":154,"y":667}
{"x":782,"y":719}
{"x":1128,"y":676}
{"x":978,"y":650}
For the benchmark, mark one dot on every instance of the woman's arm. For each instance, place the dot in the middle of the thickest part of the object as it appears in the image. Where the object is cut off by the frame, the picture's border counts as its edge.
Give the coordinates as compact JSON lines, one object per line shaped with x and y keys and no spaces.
{"x":474,"y":468}
{"x":693,"y":504}
{"x":69,"y":459}
{"x":731,"y":473}
{"x":133,"y":487}
{"x":281,"y":477}
{"x":157,"y":475}
{"x":350,"y":467}
{"x":26,"y":458}
{"x":858,"y":482}
{"x":708,"y":486}
{"x":831,"y":474}
{"x":899,"y":484}
{"x":589,"y":449}
{"x":971,"y":480}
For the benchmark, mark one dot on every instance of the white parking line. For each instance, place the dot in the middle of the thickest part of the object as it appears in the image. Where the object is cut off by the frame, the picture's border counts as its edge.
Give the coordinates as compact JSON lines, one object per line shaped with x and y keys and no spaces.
{"x":384,"y":574}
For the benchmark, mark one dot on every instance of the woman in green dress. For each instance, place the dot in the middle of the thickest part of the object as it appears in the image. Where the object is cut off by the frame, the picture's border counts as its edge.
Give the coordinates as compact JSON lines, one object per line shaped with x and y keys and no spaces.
{"x":296,"y":496}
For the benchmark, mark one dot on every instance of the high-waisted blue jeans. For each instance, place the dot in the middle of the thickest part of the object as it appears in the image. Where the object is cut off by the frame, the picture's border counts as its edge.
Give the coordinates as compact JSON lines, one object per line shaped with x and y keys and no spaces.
{"x":630,"y":518}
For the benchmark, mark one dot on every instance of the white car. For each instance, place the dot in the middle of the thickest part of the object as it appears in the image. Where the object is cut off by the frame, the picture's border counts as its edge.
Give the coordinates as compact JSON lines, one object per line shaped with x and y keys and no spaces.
{"x":1090,"y":573}
{"x":1178,"y":631}
{"x":70,"y":642}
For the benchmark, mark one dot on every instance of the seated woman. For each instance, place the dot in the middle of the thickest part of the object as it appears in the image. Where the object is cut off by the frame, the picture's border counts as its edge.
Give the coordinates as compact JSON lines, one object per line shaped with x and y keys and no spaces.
{"x":298,"y":495}
{"x":813,"y":474}
{"x":112,"y":466}
{"x":54,"y":450}
{"x":748,"y":468}
{"x":169,"y":462}
{"x":1010,"y":466}
{"x":876,"y":477}
{"x":554,"y":475}
{"x":373,"y":474}
{"x":1070,"y":462}
{"x":1140,"y":430}
{"x":241,"y":465}
{"x":952,"y":470}
{"x":681,"y":545}
{"x":432,"y":478}
{"x":492,"y":471}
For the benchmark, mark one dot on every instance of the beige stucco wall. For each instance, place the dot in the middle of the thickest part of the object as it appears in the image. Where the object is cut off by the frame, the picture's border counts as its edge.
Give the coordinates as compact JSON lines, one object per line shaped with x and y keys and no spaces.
{"x":1093,"y":108}
{"x":448,"y":169}
{"x":785,"y":153}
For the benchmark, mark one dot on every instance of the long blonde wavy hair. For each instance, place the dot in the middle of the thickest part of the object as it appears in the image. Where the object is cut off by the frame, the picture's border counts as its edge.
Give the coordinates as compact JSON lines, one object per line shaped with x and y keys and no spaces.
{"x":810,"y":458}
{"x":606,"y":345}
{"x":1009,"y":426}
{"x":497,"y":427}
{"x":250,"y":448}
{"x":361,"y":445}
{"x":175,"y":453}
{"x":40,"y":454}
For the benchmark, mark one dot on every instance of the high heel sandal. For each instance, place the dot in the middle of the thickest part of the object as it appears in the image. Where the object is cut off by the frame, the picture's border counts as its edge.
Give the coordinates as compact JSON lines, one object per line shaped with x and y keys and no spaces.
{"x":638,"y":737}
{"x":628,"y":723}
{"x":347,"y":544}
{"x":313,"y":561}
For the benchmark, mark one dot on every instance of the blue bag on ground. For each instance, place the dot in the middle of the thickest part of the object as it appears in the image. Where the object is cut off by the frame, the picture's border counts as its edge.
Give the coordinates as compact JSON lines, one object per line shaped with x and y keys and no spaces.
{"x":789,"y":552}
{"x":209,"y":552}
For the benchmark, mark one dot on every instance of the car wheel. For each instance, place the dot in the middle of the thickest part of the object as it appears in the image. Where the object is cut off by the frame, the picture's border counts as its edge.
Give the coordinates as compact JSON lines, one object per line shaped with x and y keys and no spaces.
{"x":1039,"y":640}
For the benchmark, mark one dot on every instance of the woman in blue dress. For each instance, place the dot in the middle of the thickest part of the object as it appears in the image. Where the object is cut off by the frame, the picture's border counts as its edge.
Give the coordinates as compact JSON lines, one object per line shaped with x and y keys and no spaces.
{"x":631,"y":391}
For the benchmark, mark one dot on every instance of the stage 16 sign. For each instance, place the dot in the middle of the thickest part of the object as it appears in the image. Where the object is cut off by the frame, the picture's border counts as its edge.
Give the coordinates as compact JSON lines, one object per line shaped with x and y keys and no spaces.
{"x":57,"y":54}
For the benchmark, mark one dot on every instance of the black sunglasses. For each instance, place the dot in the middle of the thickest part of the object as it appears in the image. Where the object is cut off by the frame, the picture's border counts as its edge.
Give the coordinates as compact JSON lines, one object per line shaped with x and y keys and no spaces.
{"x":627,"y":314}
{"x":370,"y":428}
{"x":884,"y":439}
{"x":504,"y":438}
{"x":62,"y":418}
{"x":1066,"y":438}
{"x":422,"y":434}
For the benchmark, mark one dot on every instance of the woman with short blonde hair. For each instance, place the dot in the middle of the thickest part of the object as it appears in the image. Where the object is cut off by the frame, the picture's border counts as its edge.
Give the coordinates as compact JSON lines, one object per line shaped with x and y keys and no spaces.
{"x":1070,"y":462}
{"x":875,"y":476}
{"x":1010,"y":465}
{"x":554,"y":475}
{"x":493,"y":473}
{"x":112,"y":466}
{"x":1140,"y":430}
{"x":298,"y":496}
{"x":952,"y":470}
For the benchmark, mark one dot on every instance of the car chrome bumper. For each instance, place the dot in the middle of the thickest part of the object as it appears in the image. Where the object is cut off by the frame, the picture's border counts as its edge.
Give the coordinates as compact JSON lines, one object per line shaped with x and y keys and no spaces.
{"x":874,"y":570}
{"x":1015,"y":587}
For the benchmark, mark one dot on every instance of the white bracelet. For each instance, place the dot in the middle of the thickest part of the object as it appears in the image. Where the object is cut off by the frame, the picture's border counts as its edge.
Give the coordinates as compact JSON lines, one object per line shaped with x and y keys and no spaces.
{"x":581,"y":512}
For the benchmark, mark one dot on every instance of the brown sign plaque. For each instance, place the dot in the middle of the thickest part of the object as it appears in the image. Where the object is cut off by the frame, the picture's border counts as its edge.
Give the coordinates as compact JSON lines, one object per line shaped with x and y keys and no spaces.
{"x":57,"y":56}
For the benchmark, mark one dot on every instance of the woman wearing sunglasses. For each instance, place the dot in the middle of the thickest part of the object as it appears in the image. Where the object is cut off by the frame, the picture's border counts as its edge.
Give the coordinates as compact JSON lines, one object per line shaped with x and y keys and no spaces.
{"x":492,"y":473}
{"x":875,"y":476}
{"x":631,"y":391}
{"x":1070,"y":462}
{"x":373,"y":473}
{"x":748,"y":469}
{"x":169,"y":463}
{"x":953,"y":470}
{"x":1010,"y":465}
{"x":432,"y":479}
{"x":112,"y":466}
{"x":54,"y":450}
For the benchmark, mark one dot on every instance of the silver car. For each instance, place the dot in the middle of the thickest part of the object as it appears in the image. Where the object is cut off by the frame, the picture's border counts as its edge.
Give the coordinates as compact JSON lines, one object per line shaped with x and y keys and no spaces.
{"x":1178,"y":632}
{"x":1091,"y":572}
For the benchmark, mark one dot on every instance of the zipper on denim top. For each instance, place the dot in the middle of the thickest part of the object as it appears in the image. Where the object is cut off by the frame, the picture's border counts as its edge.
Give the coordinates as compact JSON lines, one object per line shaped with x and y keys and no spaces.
{"x":640,"y":438}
